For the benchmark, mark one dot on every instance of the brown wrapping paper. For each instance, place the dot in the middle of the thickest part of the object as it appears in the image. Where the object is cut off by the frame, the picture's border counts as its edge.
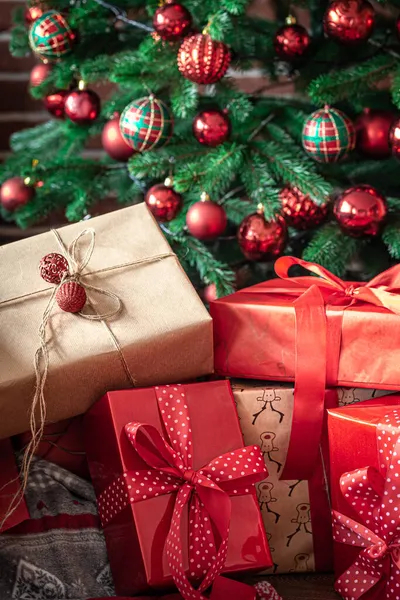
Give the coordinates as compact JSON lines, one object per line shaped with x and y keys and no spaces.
{"x":164,"y":331}
{"x":296,"y":513}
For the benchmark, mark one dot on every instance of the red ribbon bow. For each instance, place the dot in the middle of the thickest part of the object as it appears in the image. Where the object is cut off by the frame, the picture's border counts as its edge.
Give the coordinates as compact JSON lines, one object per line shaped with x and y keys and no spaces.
{"x":375,"y":498}
{"x":206,"y":491}
{"x":317,"y":357}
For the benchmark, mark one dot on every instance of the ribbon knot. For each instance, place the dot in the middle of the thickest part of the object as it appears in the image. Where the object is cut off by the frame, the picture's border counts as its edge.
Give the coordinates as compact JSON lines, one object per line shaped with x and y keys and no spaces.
{"x":192,"y":477}
{"x":351,"y":291}
{"x":378,"y":550}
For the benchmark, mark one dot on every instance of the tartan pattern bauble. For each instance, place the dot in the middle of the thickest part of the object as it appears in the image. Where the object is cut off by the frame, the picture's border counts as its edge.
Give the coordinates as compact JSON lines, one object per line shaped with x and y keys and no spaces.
{"x":202,"y":59}
{"x":50,"y":36}
{"x":328,"y":135}
{"x":146,"y":123}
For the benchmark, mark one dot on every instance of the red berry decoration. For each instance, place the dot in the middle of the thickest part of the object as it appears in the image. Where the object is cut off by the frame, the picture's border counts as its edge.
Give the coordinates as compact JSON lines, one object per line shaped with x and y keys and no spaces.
{"x":373,"y":132}
{"x":163,"y":201}
{"x":211,"y":127}
{"x":113,"y":142}
{"x":39,"y":74}
{"x":172,"y":21}
{"x":71,"y":297}
{"x":55,"y":103}
{"x":82,"y":106}
{"x":349,"y":21}
{"x":360,"y":211}
{"x":299,"y":211}
{"x":53,"y":267}
{"x":291,"y":41}
{"x":14,"y":193}
{"x":202,"y":59}
{"x":206,"y":219}
{"x":260,"y":239}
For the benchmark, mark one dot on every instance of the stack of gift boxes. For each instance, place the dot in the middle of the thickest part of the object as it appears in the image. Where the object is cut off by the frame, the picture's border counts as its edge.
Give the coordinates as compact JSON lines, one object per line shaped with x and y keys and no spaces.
{"x":230,"y":475}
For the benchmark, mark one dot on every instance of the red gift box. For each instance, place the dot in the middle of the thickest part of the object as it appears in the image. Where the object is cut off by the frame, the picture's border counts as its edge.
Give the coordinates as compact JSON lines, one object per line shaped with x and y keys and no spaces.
{"x":364,"y":443}
{"x":9,"y":487}
{"x":168,"y":466}
{"x":319,"y":331}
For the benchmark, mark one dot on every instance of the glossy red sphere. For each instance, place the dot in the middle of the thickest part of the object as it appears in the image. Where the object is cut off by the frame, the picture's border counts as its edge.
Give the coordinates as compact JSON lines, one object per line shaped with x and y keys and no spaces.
{"x":163,"y":202}
{"x":210,"y":293}
{"x":14,"y":193}
{"x":39,"y":73}
{"x":291,"y":42}
{"x":82,"y":106}
{"x":55,"y":103}
{"x":172,"y":21}
{"x":71,"y":297}
{"x":211,"y":127}
{"x":373,"y":132}
{"x":52,"y":267}
{"x":35,"y":9}
{"x":299,"y":211}
{"x":113,"y":142}
{"x":394,"y":138}
{"x":349,"y":21}
{"x":206,"y":220}
{"x":360,"y":211}
{"x":260,"y":239}
{"x":202,"y":59}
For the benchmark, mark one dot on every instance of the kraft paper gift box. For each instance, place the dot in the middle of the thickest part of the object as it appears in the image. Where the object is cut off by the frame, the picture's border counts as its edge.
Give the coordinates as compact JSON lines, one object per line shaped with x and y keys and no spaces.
{"x":162,"y":333}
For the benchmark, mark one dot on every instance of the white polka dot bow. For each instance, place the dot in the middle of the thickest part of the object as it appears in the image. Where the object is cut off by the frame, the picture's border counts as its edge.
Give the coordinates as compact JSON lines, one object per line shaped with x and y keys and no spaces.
{"x":206,"y":491}
{"x":375,"y":496}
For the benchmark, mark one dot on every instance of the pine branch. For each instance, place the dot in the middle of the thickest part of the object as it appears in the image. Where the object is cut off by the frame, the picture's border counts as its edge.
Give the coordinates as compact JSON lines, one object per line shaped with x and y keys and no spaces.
{"x":391,"y":237}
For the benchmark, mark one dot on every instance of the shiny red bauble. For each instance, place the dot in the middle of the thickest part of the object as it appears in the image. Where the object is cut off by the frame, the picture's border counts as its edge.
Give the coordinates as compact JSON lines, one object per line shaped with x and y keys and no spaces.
{"x":53,"y":267}
{"x":202,"y":59}
{"x":206,"y":220}
{"x":349,"y":21}
{"x":14,"y":193}
{"x":299,"y":211}
{"x":164,"y":202}
{"x":82,"y":106}
{"x":360,"y":211}
{"x":39,"y":74}
{"x":291,"y":42}
{"x":55,"y":103}
{"x":373,"y":132}
{"x":113,"y":142}
{"x":260,"y":239}
{"x":209,"y":293}
{"x":172,"y":21}
{"x":71,"y":296}
{"x":394,"y":138}
{"x":211,"y":127}
{"x":35,"y":9}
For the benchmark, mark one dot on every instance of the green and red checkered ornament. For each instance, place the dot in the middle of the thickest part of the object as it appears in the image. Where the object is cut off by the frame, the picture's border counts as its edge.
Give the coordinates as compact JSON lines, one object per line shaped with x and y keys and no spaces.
{"x":146,"y":123}
{"x":51,"y":37}
{"x":328,"y":135}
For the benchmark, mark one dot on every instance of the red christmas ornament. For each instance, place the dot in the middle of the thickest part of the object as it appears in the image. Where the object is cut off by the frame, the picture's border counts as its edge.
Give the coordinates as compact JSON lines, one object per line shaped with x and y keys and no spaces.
{"x":373,"y":132}
{"x":52,"y":267}
{"x":172,"y":21}
{"x":210,"y":293}
{"x":39,"y":73}
{"x":206,"y":219}
{"x":349,"y":21}
{"x":71,"y":297}
{"x":260,"y":239}
{"x":163,"y":201}
{"x":82,"y":106}
{"x":211,"y":127}
{"x":14,"y":193}
{"x":299,"y":211}
{"x":398,"y":26}
{"x":360,"y":211}
{"x":35,"y":9}
{"x":291,"y":41}
{"x":113,"y":142}
{"x":55,"y":103}
{"x":202,"y":59}
{"x":394,"y":138}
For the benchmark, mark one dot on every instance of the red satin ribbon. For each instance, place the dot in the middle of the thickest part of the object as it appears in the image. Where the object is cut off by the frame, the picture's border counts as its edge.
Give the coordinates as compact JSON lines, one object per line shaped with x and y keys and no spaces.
{"x":318,"y":348}
{"x":375,"y":498}
{"x":206,"y":491}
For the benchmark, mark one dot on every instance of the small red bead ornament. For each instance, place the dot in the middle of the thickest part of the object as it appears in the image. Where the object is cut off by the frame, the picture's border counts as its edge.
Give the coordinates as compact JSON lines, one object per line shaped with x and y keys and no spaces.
{"x":39,"y":73}
{"x":211,"y":127}
{"x":260,"y":239}
{"x":172,"y":21}
{"x":163,"y":201}
{"x":394,"y":138}
{"x":55,"y":103}
{"x":292,"y":41}
{"x":299,"y":211}
{"x":349,"y":21}
{"x":34,"y":11}
{"x":202,"y":59}
{"x":360,"y":211}
{"x":82,"y":106}
{"x":206,"y":219}
{"x":71,"y":297}
{"x":53,"y":267}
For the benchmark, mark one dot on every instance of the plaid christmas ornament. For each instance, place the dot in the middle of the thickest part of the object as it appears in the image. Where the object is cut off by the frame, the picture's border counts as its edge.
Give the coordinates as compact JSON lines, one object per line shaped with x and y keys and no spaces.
{"x":146,"y":123}
{"x":50,"y":36}
{"x":328,"y":135}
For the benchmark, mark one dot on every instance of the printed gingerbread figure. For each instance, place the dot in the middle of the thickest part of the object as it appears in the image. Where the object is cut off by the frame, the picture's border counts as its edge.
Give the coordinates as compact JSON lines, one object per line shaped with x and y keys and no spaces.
{"x":301,"y":563}
{"x":348,"y":396}
{"x":265,"y":498}
{"x":268,"y":446}
{"x":267,"y":399}
{"x":302,"y":519}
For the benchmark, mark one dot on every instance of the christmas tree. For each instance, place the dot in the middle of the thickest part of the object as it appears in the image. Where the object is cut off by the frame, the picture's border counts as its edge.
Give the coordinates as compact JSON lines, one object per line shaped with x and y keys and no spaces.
{"x":234,"y":179}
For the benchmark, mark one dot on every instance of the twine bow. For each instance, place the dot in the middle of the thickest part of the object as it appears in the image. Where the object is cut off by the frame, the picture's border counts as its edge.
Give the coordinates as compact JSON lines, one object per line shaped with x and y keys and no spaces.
{"x":207,"y":491}
{"x":375,"y":498}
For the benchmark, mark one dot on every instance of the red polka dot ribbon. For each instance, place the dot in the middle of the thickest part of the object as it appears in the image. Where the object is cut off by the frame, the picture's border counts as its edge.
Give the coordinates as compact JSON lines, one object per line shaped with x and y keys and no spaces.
{"x":206,"y":491}
{"x":374,"y":495}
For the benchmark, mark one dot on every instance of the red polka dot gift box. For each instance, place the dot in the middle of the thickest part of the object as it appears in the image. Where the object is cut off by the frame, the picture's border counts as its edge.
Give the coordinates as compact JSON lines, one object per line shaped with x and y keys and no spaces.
{"x":365,"y":480}
{"x":175,"y":488}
